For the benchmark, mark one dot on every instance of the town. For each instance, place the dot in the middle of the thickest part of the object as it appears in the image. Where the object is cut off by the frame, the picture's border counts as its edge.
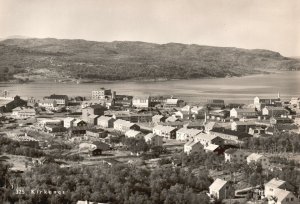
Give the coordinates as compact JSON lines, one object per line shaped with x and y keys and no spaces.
{"x":212,"y":152}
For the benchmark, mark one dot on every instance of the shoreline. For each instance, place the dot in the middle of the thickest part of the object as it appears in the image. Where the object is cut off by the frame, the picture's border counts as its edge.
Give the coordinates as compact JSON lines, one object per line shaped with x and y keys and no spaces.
{"x":88,"y":81}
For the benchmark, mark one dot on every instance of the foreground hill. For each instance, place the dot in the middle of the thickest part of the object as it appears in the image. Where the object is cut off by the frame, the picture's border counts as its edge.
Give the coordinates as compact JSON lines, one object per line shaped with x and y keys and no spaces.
{"x":132,"y":60}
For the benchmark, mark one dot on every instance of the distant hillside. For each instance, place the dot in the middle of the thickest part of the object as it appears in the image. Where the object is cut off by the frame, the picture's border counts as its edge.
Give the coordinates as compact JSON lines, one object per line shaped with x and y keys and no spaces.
{"x":132,"y":60}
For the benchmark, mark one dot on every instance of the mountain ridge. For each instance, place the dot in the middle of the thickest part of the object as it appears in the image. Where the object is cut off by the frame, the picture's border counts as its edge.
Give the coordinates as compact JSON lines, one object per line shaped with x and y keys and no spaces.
{"x":121,"y":60}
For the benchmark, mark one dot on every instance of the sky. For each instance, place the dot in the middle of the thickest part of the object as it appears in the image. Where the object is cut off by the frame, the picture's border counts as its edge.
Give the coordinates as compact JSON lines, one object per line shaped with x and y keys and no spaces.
{"x":251,"y":24}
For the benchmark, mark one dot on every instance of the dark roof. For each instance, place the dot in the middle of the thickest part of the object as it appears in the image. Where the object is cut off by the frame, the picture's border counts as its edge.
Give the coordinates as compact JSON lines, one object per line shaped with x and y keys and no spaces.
{"x":240,"y":135}
{"x":95,"y":130}
{"x":54,"y":96}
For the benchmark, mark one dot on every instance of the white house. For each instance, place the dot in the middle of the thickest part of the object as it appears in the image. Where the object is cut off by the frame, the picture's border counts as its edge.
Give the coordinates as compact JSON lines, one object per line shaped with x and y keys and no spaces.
{"x":274,"y":111}
{"x":279,"y":192}
{"x":153,"y":139}
{"x":141,"y":102}
{"x":221,"y":189}
{"x":134,"y":134}
{"x":235,"y":156}
{"x":68,"y":122}
{"x":206,"y":139}
{"x":193,"y":146}
{"x":185,"y":134}
{"x":243,"y":113}
{"x":165,"y":131}
{"x":258,"y":158}
{"x":48,"y":104}
{"x":23,"y":113}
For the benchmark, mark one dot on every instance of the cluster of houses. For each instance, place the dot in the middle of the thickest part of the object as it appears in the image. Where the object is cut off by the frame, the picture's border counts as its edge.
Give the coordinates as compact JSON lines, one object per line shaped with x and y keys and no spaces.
{"x":276,"y":191}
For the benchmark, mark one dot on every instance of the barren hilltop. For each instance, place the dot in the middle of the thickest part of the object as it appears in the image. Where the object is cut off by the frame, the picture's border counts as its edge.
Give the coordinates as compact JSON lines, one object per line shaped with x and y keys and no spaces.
{"x":121,"y":60}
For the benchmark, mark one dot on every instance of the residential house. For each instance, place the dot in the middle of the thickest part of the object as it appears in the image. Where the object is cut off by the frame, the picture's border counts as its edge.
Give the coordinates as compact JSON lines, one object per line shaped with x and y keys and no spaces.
{"x":257,"y":131}
{"x":295,"y":102}
{"x":218,"y":115}
{"x":23,"y":113}
{"x":193,"y":146}
{"x":79,"y":123}
{"x":96,"y":133}
{"x":32,"y":102}
{"x":243,"y":113}
{"x":68,"y":122}
{"x":212,"y":148}
{"x":105,"y":121}
{"x":229,"y":136}
{"x":165,"y":131}
{"x":102,"y":93}
{"x":92,"y":119}
{"x":260,"y":103}
{"x":280,"y":120}
{"x":209,"y":126}
{"x":274,"y":111}
{"x":134,"y":134}
{"x":123,"y":126}
{"x":258,"y":159}
{"x":196,"y":124}
{"x":198,"y":112}
{"x":271,"y":130}
{"x":221,"y":189}
{"x":185,"y":134}
{"x":48,"y":104}
{"x":60,"y":99}
{"x":206,"y":139}
{"x":141,"y":102}
{"x":281,"y":191}
{"x":183,"y":115}
{"x":153,"y":139}
{"x":173,"y":102}
{"x":235,"y":156}
{"x":88,"y":113}
{"x":158,"y":118}
{"x":122,"y":101}
{"x":242,"y":126}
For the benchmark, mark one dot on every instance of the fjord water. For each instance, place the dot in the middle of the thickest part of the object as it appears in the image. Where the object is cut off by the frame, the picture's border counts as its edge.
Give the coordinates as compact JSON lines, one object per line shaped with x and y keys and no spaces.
{"x":235,"y":89}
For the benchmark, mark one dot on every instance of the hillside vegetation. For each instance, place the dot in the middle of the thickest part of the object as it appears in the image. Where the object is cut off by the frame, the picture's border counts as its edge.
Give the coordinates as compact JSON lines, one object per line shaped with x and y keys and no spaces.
{"x":133,"y":60}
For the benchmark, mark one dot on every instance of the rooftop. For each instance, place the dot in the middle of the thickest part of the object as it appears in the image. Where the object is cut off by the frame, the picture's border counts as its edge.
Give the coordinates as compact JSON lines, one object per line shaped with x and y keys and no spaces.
{"x":218,"y":184}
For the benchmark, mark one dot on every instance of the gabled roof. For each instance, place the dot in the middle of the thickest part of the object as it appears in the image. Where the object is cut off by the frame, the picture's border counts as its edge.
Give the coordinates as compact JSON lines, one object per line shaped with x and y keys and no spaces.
{"x":191,"y":132}
{"x":217,"y":184}
{"x":69,"y":119}
{"x":150,"y":136}
{"x":275,"y":108}
{"x":212,"y":147}
{"x":164,"y":128}
{"x":281,"y":194}
{"x":275,"y":183}
{"x":132,"y":133}
{"x":203,"y":136}
{"x":104,"y":118}
{"x":123,"y":122}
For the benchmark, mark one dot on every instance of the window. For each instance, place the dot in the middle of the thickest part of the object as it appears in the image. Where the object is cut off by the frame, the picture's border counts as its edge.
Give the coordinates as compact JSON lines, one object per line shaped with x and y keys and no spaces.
{"x":292,"y":199}
{"x":287,"y":199}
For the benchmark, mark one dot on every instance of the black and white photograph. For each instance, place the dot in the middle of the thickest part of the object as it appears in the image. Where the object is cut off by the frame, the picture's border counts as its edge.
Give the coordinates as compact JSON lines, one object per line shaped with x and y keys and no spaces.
{"x":149,"y":102}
